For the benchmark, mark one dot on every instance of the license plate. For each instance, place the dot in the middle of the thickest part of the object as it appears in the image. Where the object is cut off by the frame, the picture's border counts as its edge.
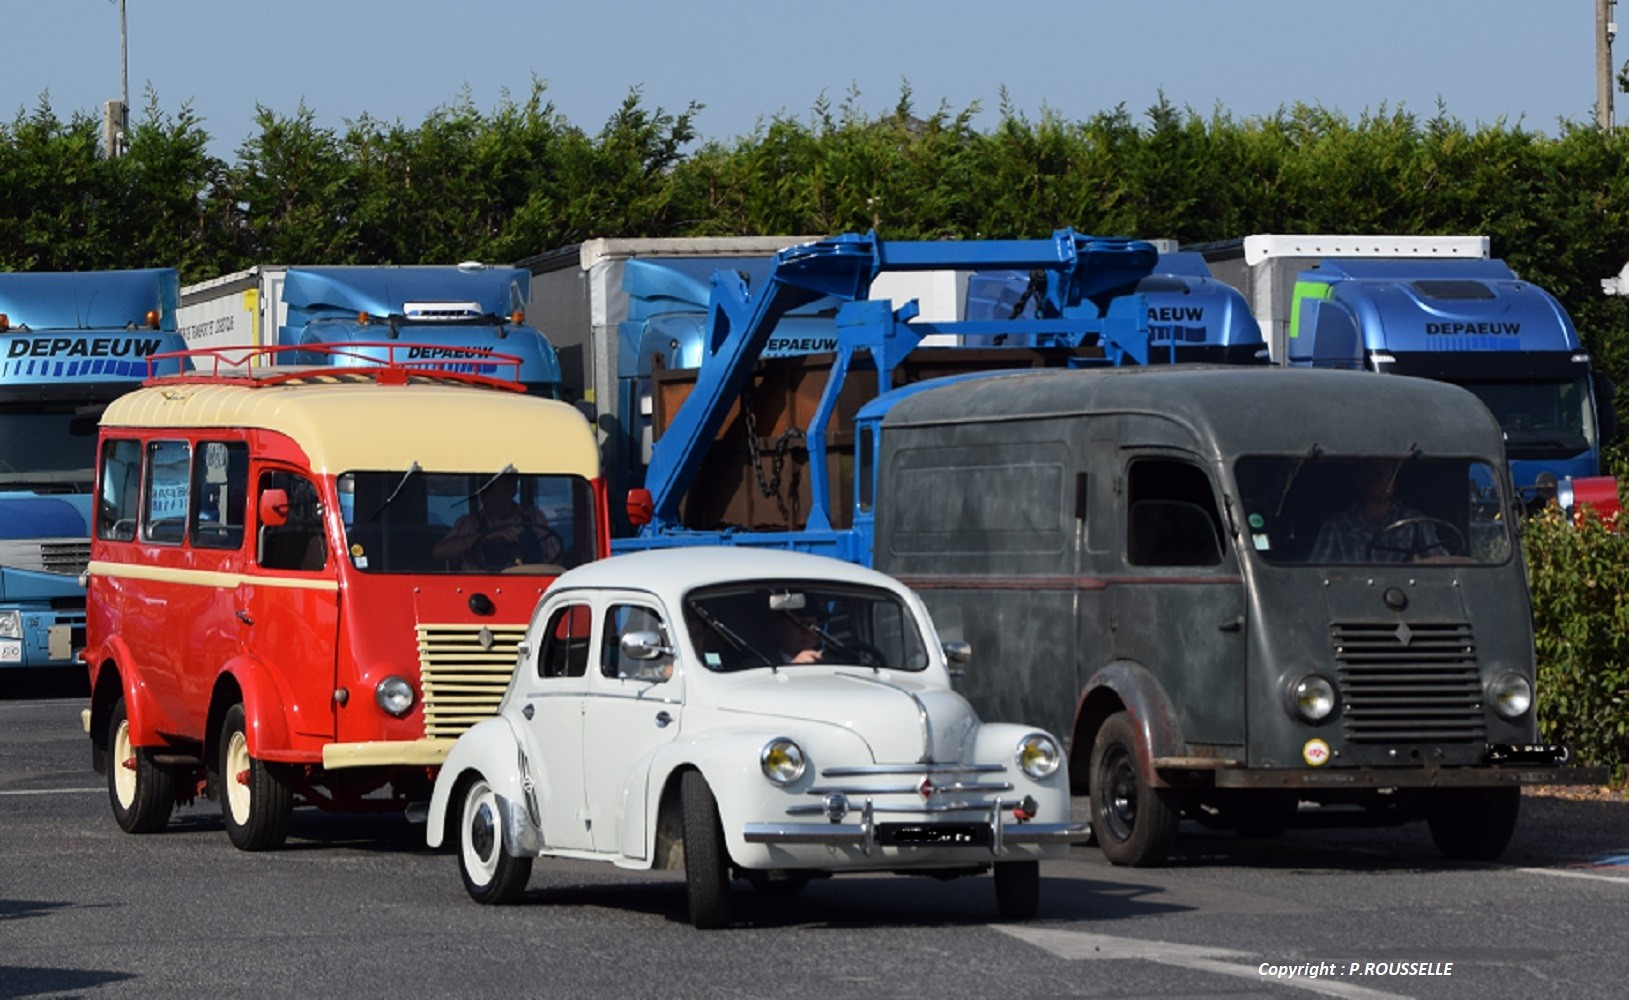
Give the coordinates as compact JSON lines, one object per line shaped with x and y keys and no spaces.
{"x":934,"y":834}
{"x":11,"y":651}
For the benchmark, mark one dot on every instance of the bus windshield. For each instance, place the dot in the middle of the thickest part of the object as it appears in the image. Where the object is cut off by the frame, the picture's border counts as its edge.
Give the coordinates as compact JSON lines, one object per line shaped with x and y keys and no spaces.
{"x":1317,"y":509}
{"x":413,"y":521}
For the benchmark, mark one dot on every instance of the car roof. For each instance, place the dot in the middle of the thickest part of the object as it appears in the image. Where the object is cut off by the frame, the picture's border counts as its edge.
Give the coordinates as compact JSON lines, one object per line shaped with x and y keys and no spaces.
{"x":677,"y":571}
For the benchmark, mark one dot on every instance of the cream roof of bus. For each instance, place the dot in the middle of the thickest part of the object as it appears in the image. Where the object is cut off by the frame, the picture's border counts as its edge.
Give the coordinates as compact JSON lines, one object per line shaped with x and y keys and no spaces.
{"x":352,"y":426}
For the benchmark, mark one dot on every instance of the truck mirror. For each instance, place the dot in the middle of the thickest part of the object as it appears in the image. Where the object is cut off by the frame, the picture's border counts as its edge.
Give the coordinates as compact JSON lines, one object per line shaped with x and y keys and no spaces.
{"x":274,"y":508}
{"x":641,"y":507}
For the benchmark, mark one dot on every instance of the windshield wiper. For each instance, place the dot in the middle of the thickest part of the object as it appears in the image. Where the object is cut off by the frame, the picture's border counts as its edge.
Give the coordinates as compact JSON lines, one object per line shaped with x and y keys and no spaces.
{"x":1314,"y":452}
{"x":831,"y":640}
{"x":729,"y":635}
{"x":412,"y":470}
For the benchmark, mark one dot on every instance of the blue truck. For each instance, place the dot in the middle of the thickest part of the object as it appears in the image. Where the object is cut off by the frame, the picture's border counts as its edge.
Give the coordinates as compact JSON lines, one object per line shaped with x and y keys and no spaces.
{"x":430,"y":313}
{"x":1438,"y":307}
{"x":71,"y":342}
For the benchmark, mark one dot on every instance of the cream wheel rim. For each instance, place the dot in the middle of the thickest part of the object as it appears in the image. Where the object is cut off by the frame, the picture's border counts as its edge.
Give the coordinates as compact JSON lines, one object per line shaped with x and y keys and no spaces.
{"x":124,"y":766}
{"x":237,"y":777}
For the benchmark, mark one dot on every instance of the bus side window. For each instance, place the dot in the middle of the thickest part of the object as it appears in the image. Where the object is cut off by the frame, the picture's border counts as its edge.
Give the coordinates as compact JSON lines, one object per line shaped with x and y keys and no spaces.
{"x":299,"y":543}
{"x":119,"y":499}
{"x":221,"y":486}
{"x":169,"y":468}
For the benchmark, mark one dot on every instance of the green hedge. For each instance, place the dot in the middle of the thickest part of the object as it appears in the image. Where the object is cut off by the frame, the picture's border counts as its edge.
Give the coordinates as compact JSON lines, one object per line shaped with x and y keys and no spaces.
{"x":1579,"y":574}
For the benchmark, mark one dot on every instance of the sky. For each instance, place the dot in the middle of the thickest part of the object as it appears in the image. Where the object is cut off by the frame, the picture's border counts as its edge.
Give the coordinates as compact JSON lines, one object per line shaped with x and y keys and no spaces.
{"x":1530,"y":62}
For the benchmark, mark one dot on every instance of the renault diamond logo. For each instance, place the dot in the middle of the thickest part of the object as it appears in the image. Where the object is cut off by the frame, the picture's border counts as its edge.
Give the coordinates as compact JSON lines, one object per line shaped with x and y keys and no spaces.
{"x":486,"y":639}
{"x":1404,"y":633}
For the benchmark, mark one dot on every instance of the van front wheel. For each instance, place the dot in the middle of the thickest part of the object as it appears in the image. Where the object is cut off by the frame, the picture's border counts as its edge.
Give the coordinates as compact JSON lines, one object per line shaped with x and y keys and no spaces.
{"x":1135,"y":823}
{"x":141,"y":792}
{"x":255,"y":802}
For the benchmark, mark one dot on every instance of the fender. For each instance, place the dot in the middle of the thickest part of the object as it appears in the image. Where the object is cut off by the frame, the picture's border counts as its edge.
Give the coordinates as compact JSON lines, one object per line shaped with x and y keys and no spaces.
{"x":141,"y":709}
{"x":1145,"y":701}
{"x":490,"y":749}
{"x":265,"y":714}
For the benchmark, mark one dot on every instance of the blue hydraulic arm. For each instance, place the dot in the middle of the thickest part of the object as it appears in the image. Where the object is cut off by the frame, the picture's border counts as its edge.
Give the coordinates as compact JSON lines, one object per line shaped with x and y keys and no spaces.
{"x":1082,"y":302}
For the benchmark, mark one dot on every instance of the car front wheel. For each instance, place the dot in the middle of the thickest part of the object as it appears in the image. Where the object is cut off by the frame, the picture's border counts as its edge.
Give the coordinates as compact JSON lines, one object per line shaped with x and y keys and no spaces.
{"x":706,"y":861}
{"x":491,"y":874}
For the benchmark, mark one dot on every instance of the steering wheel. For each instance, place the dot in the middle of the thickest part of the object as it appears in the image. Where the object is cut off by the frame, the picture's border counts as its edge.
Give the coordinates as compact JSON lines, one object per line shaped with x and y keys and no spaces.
{"x":1453,"y":546}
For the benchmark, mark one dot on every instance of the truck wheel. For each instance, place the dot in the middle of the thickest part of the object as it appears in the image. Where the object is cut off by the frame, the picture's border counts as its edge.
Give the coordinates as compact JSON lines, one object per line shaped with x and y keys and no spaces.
{"x":1018,"y":889}
{"x":706,"y":862}
{"x":1134,"y":822}
{"x":1473,"y":824}
{"x":491,"y":874}
{"x":255,"y":802}
{"x":141,"y":792}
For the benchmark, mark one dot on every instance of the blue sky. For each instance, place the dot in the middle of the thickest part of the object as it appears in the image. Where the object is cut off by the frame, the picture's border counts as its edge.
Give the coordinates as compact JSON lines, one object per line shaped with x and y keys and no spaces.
{"x":1531,"y":61}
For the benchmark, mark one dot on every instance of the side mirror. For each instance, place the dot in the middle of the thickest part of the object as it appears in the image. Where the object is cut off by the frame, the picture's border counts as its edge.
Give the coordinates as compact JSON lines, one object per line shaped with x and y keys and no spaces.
{"x":958,"y":655}
{"x":641,"y":507}
{"x":646,"y":648}
{"x":274,"y":508}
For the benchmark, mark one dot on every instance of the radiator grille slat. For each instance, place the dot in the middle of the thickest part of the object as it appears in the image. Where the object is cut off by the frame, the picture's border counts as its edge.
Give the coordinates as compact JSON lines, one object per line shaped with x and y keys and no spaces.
{"x":1409,"y":682}
{"x":465,"y":670}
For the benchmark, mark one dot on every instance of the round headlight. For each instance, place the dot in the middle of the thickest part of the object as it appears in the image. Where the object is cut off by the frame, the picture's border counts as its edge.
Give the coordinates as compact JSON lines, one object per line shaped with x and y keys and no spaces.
{"x":394,"y":695}
{"x":1313,"y":697}
{"x":782,"y":761}
{"x":1512,"y":695}
{"x":1038,"y":755}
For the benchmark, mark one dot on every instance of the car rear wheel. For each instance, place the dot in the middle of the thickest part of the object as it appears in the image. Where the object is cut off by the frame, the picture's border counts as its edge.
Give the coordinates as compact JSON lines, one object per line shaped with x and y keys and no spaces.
{"x":142,"y":793}
{"x":706,"y":861}
{"x":255,"y":801}
{"x":1135,"y":823}
{"x":491,"y":874}
{"x":1018,"y":889}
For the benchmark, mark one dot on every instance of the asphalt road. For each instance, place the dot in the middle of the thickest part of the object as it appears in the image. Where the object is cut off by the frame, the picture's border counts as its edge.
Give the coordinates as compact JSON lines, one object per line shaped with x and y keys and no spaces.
{"x":360,"y":908}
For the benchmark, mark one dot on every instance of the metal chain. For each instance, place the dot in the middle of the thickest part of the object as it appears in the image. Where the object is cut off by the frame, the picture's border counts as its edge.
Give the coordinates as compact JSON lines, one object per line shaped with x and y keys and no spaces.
{"x":768,"y":486}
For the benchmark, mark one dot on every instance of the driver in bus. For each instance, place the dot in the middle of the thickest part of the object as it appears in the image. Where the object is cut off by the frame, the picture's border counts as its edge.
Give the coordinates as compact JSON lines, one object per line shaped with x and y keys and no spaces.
{"x":1376,"y":527}
{"x":500,"y":532}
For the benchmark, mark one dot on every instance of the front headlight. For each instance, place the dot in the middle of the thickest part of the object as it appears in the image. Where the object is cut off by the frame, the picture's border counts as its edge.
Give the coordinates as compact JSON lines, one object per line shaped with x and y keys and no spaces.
{"x":1038,"y":755}
{"x":11,"y":624}
{"x":1511,"y":694}
{"x":782,"y":761}
{"x":1313,"y":697}
{"x":394,"y":695}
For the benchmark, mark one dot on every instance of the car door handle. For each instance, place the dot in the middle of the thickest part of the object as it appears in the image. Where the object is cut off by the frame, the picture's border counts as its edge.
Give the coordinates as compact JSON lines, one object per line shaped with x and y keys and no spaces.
{"x":662,"y":719}
{"x":243,"y":616}
{"x":528,"y":711}
{"x":1232,"y":624}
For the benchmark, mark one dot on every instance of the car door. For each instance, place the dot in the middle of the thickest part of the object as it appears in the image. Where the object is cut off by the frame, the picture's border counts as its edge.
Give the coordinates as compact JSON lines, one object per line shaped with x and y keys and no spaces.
{"x":553,"y":717}
{"x":632,"y":710}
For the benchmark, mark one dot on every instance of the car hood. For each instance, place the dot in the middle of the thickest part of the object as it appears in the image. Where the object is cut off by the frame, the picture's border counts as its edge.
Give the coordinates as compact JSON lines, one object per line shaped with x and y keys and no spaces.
{"x":901,"y":719}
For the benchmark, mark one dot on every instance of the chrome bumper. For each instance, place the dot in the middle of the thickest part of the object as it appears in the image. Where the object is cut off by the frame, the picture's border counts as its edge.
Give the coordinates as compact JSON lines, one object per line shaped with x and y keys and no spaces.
{"x":1003,"y":831}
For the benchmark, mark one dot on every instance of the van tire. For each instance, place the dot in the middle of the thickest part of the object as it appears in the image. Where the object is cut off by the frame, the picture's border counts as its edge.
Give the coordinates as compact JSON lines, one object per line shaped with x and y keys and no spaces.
{"x":491,"y":874}
{"x":1473,"y":824}
{"x":142,"y":793}
{"x":1135,"y":823}
{"x":706,"y":861}
{"x":1018,"y":889}
{"x":255,"y":801}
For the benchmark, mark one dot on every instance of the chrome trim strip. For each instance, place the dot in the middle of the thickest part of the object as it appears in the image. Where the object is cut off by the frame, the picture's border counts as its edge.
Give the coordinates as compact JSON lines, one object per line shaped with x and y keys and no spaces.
{"x":859,"y":770}
{"x":922,"y":716}
{"x":960,"y":786}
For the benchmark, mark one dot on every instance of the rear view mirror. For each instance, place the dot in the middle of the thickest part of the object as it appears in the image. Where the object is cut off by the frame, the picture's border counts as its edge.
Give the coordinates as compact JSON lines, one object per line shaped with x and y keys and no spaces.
{"x":958,"y":655}
{"x":274,"y":508}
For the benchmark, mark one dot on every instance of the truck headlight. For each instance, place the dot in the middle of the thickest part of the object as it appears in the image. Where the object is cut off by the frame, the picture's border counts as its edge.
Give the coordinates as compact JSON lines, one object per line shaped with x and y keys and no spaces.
{"x":782,"y":760}
{"x":1038,"y":755}
{"x":1312,"y":697}
{"x":394,"y":695}
{"x":11,"y":624}
{"x":1511,"y":695}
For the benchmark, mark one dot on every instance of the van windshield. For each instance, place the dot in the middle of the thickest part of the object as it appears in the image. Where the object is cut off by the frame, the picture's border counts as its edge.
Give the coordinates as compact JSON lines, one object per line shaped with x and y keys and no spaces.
{"x":789,"y":623}
{"x":1317,"y":509}
{"x":415,"y":521}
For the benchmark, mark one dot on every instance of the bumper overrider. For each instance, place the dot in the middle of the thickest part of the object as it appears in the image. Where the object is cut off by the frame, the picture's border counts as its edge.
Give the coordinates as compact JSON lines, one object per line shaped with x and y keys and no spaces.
{"x":962,"y":810}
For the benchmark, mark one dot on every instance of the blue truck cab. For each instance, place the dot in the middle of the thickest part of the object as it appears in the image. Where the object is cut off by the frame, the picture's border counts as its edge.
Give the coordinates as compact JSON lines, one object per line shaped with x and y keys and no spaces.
{"x":1473,"y":323}
{"x":437,"y":313}
{"x":70,"y":343}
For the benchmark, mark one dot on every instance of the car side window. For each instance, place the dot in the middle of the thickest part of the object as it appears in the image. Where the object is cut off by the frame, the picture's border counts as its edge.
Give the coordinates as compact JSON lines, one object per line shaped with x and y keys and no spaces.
{"x":621,"y":620}
{"x":565,"y":643}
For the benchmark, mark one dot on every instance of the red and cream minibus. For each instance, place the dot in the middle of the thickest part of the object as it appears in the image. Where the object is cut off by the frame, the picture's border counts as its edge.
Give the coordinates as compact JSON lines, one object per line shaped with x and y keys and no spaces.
{"x":306,"y":582}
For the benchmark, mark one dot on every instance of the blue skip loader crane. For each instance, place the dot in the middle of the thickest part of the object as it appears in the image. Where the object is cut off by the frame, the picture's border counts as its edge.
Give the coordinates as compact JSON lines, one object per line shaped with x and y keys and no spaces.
{"x":70,"y":343}
{"x":741,"y":410}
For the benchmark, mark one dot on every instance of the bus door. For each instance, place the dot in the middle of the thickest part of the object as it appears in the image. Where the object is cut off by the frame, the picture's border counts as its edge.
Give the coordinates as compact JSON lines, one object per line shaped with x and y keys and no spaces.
{"x":289,"y":607}
{"x":1179,"y":607}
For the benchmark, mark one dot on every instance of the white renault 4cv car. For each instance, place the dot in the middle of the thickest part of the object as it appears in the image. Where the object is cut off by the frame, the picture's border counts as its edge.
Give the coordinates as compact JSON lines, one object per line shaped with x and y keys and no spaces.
{"x":763,"y":715}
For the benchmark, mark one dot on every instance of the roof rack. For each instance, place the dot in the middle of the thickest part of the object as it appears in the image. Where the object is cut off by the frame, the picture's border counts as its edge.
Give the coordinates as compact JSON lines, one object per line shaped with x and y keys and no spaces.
{"x":380,"y":363}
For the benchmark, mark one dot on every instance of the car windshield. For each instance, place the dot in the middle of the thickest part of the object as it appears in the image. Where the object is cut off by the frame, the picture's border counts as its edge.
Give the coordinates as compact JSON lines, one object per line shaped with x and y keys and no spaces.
{"x":414,"y":521}
{"x":1318,"y":509}
{"x":1540,"y":419}
{"x":777,"y":623}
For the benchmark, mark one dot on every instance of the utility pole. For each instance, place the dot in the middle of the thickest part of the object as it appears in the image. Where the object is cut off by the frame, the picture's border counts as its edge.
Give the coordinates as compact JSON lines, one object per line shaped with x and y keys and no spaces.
{"x":1605,"y":30}
{"x":116,"y":114}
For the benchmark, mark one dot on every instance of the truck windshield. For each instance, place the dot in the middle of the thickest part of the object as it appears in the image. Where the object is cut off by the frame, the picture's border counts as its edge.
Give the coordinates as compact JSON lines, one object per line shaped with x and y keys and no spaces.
{"x":49,"y":450}
{"x":413,"y":521}
{"x":1542,"y":419}
{"x":1316,"y":509}
{"x":780,"y":623}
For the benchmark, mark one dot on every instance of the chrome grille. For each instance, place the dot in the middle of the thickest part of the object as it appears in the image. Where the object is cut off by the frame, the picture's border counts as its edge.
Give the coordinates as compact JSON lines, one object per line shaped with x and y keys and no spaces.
{"x":897,"y":788}
{"x":66,"y":558}
{"x":1409,"y":682}
{"x":465,"y":670}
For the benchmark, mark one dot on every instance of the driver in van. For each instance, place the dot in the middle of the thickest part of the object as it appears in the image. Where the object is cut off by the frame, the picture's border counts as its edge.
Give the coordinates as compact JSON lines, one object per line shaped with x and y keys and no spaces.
{"x":500,"y":532}
{"x":1376,"y":527}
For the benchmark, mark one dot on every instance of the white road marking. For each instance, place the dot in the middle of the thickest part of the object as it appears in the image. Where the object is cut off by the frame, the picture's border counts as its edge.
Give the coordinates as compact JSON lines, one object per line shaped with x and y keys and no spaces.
{"x":1569,"y":873}
{"x":1084,"y":946}
{"x":51,"y":791}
